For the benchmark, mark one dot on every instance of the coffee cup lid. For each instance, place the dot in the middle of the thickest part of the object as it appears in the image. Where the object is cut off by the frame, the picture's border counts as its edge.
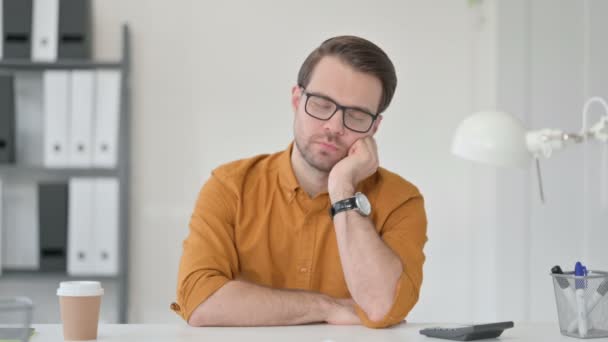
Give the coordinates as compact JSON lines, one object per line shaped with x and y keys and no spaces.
{"x":79,"y":288}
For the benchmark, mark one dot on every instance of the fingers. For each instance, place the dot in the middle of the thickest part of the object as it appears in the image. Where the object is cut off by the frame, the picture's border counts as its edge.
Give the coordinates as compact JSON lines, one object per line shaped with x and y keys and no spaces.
{"x":365,"y":144}
{"x":372,"y":149}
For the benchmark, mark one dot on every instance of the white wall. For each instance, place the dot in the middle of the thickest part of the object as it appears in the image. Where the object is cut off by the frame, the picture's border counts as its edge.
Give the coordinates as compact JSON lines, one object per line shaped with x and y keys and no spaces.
{"x":550,"y":57}
{"x":211,"y":83}
{"x":567,"y":64}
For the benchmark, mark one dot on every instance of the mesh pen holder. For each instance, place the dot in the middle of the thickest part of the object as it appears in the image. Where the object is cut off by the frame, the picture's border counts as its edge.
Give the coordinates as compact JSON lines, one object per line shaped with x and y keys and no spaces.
{"x":582,"y":304}
{"x":15,"y":318}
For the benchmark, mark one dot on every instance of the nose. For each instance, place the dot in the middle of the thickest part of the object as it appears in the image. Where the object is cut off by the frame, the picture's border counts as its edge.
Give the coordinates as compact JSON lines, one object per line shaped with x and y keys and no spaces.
{"x":335,"y":124}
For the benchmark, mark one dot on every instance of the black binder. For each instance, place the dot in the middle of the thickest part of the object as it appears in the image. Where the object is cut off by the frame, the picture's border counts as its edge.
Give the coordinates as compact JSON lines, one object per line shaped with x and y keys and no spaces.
{"x":7,"y":119}
{"x":53,"y":225}
{"x":17,"y":29}
{"x":74,"y":29}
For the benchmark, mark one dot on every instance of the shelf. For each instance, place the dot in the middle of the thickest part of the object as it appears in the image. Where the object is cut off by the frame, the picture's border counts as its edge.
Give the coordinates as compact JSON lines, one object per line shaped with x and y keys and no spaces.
{"x":24,"y":64}
{"x":40,"y":172}
{"x":32,"y":274}
{"x":39,"y":284}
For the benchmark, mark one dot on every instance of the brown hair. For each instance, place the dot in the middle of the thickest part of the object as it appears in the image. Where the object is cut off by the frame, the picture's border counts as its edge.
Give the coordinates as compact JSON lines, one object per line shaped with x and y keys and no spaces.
{"x":362,"y":55}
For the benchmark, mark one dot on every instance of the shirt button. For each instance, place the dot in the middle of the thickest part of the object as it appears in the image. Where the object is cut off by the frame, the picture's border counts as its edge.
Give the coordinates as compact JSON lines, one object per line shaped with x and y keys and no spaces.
{"x":303,"y":270}
{"x":175,"y":307}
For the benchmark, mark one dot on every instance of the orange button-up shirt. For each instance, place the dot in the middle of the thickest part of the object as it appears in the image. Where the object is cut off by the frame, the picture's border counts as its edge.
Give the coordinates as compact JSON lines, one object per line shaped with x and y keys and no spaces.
{"x":253,"y":220}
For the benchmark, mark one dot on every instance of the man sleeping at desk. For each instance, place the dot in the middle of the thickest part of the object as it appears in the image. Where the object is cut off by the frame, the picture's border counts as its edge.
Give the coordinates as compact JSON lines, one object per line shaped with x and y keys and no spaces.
{"x":318,"y":232}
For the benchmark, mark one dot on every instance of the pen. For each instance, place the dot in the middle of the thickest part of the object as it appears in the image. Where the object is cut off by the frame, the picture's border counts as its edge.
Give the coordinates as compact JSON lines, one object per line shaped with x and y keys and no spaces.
{"x":565,"y":286}
{"x":579,"y":273}
{"x":595,"y":298}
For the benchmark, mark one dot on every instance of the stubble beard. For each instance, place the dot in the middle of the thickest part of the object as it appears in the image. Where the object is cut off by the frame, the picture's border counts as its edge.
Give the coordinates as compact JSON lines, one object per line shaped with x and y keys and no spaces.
{"x":319,"y":162}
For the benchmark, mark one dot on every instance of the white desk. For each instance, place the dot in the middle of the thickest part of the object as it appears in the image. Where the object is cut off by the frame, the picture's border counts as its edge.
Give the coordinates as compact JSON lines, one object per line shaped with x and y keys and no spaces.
{"x":321,"y":333}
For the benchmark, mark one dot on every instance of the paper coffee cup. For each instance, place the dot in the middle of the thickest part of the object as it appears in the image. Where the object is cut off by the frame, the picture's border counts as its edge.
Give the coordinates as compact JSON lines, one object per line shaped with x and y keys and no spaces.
{"x":79,"y":302}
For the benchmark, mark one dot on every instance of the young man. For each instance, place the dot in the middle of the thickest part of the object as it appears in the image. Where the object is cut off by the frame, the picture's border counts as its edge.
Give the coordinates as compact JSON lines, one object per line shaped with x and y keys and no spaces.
{"x":318,"y":232}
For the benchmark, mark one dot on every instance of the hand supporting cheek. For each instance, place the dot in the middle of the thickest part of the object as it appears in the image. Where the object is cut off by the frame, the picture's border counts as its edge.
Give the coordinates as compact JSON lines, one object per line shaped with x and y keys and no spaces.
{"x":361,"y":162}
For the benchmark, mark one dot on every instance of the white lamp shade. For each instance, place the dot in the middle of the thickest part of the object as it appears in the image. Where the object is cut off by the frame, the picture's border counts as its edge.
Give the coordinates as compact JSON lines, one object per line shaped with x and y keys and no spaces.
{"x":494,"y":138}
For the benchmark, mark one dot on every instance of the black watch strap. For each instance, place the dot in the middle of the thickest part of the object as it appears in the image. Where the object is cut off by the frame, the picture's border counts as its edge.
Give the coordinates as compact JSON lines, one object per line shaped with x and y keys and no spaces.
{"x":343,"y":205}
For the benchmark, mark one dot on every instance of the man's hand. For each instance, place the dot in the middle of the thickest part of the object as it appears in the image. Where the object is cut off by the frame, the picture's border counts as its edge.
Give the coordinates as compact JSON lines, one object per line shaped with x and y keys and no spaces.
{"x":360,"y":163}
{"x":342,"y":312}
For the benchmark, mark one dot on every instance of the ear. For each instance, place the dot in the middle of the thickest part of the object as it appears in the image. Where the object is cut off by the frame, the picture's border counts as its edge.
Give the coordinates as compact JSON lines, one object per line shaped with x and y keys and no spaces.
{"x":376,"y":124}
{"x":296,"y":95}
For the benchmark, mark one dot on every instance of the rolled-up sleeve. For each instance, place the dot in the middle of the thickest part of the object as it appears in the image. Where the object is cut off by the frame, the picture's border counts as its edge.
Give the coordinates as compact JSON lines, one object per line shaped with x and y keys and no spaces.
{"x":209,"y":259}
{"x":405,"y":233}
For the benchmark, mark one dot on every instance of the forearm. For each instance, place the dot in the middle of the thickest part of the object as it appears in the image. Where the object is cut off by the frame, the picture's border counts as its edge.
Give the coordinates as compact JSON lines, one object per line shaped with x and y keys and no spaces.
{"x":370,"y":267}
{"x":239,"y":303}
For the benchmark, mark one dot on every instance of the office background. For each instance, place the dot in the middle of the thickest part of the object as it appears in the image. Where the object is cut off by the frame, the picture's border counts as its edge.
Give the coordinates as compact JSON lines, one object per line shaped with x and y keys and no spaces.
{"x":211,"y":83}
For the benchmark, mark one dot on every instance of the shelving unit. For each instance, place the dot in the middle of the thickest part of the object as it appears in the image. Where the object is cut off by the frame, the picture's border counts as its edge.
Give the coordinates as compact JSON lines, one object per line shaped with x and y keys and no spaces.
{"x":15,"y":64}
{"x":38,"y":281}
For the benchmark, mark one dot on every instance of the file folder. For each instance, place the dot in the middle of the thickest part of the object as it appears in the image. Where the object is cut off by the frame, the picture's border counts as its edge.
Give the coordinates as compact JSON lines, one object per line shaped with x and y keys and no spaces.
{"x":74,"y":29}
{"x":93,"y":226}
{"x":80,"y":141}
{"x":29,"y":118}
{"x":107,"y":118}
{"x":45,"y":27}
{"x":17,"y":24}
{"x":7,"y":119}
{"x":1,"y":34}
{"x":56,"y":115}
{"x":1,"y":213}
{"x":106,"y":226}
{"x":52,"y":213}
{"x":80,"y":227}
{"x":20,"y":250}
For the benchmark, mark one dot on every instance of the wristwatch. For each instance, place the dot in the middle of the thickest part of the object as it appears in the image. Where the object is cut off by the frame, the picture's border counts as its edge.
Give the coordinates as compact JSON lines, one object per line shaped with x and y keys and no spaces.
{"x":359,"y":202}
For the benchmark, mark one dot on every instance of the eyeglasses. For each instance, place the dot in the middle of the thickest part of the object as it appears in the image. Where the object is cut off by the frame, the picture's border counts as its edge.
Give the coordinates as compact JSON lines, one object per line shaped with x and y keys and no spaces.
{"x":323,"y":108}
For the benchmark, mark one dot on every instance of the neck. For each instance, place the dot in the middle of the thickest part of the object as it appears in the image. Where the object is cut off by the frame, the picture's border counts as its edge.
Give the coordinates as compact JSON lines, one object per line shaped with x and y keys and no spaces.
{"x":311,"y":180}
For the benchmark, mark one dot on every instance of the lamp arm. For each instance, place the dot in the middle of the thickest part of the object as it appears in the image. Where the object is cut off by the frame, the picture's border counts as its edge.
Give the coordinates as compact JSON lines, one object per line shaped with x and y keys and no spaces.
{"x":544,"y":141}
{"x":600,"y":130}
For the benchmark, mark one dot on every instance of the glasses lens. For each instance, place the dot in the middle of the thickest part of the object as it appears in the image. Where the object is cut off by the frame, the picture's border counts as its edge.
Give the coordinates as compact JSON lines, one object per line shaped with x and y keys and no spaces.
{"x":357,"y":120}
{"x":320,"y":107}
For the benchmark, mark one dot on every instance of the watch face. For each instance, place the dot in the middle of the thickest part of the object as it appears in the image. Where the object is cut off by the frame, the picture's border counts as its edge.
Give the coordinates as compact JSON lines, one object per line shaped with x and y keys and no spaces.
{"x":363,"y":204}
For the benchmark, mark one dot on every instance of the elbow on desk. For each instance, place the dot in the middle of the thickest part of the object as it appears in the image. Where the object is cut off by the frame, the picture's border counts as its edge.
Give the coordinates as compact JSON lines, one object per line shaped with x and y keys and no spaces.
{"x":198,"y":319}
{"x":194,"y":320}
{"x":376,"y":309}
{"x":201,"y":317}
{"x":377,"y":313}
{"x":209,"y":311}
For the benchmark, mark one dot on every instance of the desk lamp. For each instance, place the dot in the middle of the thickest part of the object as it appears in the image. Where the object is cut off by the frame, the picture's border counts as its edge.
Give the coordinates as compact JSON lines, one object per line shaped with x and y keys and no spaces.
{"x":500,"y":139}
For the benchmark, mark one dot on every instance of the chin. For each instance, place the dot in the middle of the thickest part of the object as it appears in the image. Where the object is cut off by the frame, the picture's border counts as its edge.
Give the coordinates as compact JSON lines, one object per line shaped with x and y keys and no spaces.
{"x":318,"y":158}
{"x":323,"y":163}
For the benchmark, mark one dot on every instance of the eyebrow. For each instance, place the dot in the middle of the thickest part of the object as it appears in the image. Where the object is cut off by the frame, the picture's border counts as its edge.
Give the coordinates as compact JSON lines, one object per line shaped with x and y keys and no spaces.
{"x":363,"y":109}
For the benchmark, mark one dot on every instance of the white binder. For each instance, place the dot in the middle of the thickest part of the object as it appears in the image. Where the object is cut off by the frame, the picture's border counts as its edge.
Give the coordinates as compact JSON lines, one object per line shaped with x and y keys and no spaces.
{"x":107,"y":110}
{"x":81,"y":118}
{"x":45,"y":30}
{"x":1,"y":201}
{"x":80,"y":227}
{"x":1,"y":29}
{"x":21,"y":250}
{"x":105,"y":226}
{"x":56,"y":111}
{"x":29,"y":118}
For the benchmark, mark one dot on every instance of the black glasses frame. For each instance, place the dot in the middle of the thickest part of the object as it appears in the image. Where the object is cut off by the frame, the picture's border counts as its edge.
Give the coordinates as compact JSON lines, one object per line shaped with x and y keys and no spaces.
{"x":338,"y":107}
